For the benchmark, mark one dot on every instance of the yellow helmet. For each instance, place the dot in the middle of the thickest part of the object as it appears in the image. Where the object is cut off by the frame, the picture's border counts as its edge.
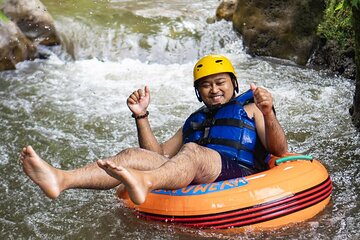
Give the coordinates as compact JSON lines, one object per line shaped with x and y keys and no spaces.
{"x":212,"y":64}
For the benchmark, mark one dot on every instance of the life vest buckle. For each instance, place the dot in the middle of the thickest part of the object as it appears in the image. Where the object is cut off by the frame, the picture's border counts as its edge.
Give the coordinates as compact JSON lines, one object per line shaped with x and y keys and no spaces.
{"x":196,"y":126}
{"x":204,"y":141}
{"x":200,"y":126}
{"x":209,"y":122}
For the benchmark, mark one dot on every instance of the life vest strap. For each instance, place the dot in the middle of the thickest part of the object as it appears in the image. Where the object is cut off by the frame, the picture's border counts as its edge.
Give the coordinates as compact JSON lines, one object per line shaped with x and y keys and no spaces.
{"x":225,"y":142}
{"x":232,"y":122}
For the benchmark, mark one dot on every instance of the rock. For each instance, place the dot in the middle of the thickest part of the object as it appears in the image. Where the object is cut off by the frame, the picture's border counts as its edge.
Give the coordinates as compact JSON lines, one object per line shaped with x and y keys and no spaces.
{"x":226,"y":10}
{"x":14,"y":46}
{"x":32,"y":17}
{"x":281,"y":29}
{"x":336,"y":59}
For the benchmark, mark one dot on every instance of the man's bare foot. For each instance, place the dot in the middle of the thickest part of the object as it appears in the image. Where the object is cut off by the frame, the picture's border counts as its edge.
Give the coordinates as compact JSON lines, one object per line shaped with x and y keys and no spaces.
{"x":135,"y":183}
{"x":40,"y":172}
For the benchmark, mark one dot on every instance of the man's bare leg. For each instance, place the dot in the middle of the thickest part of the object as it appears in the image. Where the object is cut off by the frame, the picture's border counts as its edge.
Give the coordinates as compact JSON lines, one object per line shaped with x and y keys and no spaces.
{"x":192,"y":164}
{"x":53,"y":181}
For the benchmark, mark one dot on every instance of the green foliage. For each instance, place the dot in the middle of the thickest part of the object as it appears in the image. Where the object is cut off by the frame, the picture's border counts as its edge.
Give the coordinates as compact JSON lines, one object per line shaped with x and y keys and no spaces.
{"x":3,"y":17}
{"x":354,"y":3}
{"x":337,"y":22}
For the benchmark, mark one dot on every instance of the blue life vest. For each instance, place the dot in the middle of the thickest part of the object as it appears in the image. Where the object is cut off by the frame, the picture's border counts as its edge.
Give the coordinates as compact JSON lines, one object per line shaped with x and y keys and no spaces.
{"x":226,"y":129}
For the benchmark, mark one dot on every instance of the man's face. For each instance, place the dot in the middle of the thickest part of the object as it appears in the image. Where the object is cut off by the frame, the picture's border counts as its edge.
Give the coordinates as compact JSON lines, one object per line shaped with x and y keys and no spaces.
{"x":216,"y":89}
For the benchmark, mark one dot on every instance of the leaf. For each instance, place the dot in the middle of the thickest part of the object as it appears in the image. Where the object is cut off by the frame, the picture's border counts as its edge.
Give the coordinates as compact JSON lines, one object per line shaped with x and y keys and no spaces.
{"x":355,"y":3}
{"x":341,"y":5}
{"x":3,"y":17}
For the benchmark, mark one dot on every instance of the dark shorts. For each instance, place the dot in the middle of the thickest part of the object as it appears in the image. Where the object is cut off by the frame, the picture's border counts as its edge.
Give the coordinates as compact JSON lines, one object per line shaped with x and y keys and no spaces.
{"x":231,"y":169}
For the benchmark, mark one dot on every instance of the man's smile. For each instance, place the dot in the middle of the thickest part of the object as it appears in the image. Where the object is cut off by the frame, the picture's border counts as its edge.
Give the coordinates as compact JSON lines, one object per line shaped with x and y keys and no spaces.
{"x":217,"y":98}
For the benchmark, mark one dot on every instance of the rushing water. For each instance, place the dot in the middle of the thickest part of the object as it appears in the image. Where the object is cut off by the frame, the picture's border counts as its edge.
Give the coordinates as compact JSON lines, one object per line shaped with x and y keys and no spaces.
{"x":74,"y":111}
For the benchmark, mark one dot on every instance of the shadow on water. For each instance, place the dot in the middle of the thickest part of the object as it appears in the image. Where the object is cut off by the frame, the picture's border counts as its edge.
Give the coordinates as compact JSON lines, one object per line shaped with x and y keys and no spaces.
{"x":73,"y":112}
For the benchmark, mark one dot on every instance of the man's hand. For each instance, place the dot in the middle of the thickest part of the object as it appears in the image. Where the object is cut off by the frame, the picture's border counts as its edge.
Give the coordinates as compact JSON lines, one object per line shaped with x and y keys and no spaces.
{"x":263,"y":99}
{"x":138,"y":101}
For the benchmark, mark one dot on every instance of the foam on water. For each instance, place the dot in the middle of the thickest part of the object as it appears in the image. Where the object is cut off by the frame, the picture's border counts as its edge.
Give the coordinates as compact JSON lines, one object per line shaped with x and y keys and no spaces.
{"x":103,"y":87}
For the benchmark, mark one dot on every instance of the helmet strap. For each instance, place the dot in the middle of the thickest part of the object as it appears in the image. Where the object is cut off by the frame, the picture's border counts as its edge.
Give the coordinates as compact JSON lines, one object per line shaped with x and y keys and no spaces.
{"x":235,"y":83}
{"x":198,"y":95}
{"x":236,"y":86}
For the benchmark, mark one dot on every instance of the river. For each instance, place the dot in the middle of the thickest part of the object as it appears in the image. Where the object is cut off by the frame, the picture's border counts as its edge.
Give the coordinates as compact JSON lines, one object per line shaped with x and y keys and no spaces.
{"x":74,"y":111}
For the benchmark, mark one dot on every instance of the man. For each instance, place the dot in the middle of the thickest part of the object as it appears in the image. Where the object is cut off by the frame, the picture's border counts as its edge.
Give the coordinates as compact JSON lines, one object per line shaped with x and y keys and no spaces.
{"x":218,"y":142}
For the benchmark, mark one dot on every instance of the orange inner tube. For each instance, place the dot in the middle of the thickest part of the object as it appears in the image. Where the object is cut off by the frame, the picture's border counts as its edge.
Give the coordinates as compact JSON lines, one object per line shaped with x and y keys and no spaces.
{"x":293,"y":191}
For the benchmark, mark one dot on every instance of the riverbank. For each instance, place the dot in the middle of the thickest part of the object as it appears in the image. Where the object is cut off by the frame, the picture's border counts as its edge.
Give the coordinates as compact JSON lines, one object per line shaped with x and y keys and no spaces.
{"x":336,"y":48}
{"x":317,"y":34}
